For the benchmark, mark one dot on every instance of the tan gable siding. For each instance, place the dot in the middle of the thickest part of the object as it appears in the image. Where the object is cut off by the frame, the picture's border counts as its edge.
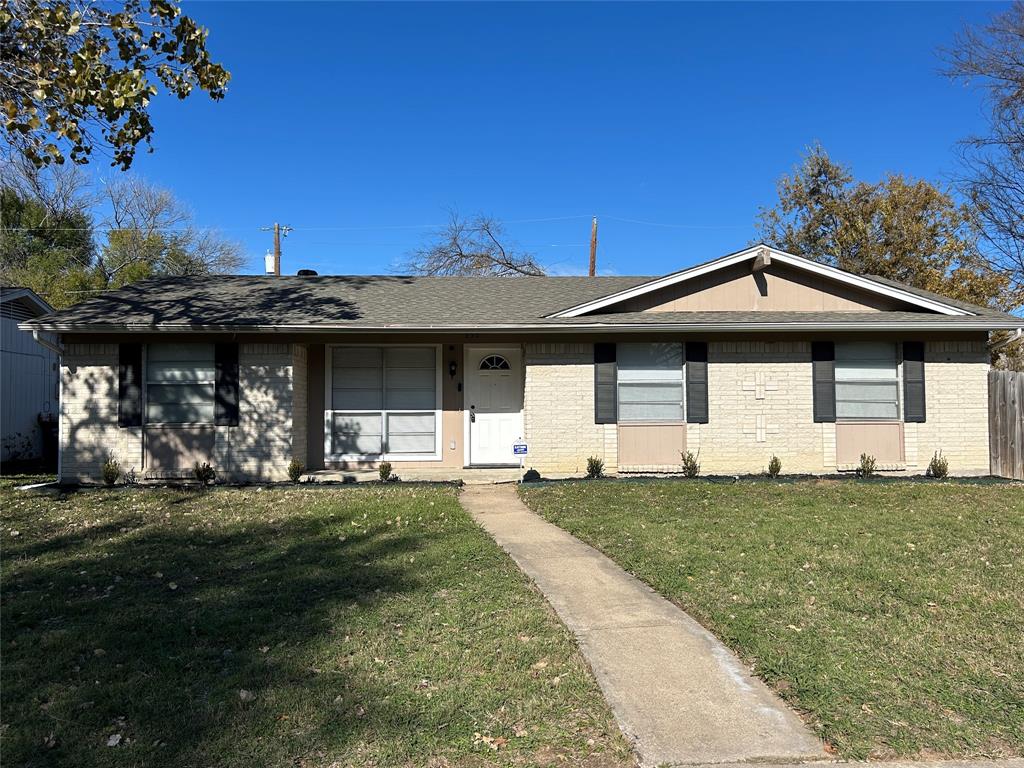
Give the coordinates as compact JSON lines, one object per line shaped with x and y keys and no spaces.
{"x":778,"y":288}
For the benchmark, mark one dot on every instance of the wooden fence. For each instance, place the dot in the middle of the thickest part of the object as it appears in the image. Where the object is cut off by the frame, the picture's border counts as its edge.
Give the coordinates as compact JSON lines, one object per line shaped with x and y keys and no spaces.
{"x":1006,"y":423}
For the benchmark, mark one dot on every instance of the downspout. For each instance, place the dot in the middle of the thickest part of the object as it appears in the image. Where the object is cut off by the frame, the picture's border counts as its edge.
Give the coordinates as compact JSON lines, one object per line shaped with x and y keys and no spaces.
{"x":45,"y":342}
{"x":59,"y":350}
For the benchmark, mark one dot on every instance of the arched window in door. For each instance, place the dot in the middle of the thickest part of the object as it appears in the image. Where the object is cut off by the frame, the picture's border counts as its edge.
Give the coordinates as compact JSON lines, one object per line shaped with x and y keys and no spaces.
{"x":494,"y":363}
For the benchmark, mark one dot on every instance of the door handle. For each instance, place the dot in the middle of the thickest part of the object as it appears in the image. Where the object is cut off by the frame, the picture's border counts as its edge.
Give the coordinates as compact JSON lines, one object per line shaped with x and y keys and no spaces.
{"x":472,"y":414}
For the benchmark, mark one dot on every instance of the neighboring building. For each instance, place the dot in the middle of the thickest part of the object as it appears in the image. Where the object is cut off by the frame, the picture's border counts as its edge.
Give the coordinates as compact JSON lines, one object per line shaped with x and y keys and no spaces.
{"x":753,"y":354}
{"x":28,"y":377}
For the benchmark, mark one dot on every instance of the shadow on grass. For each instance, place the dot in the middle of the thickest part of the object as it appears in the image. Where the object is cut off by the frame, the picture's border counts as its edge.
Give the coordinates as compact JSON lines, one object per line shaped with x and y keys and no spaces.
{"x":150,"y":631}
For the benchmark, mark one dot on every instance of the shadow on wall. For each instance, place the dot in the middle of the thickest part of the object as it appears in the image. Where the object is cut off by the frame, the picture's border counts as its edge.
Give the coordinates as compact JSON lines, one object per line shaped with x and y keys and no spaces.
{"x":234,"y":300}
{"x":260,"y":448}
{"x":108,"y":646}
{"x":90,"y":432}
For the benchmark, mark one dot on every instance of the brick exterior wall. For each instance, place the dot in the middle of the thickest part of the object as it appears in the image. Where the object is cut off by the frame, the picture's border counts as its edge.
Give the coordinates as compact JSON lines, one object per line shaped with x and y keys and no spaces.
{"x":956,"y":382}
{"x":88,"y":415}
{"x":259,"y":448}
{"x":558,"y":408}
{"x":760,"y":403}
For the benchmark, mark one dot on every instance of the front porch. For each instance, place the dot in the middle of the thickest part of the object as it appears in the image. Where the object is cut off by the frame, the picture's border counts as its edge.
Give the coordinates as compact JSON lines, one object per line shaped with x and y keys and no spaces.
{"x":467,"y":475}
{"x":430,"y":407}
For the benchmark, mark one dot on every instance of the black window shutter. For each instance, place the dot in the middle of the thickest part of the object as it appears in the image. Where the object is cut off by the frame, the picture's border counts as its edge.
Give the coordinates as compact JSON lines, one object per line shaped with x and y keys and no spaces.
{"x":605,"y":378}
{"x":913,"y":382}
{"x":129,"y":385}
{"x":226,"y":397}
{"x":697,"y":382}
{"x":823,"y":362}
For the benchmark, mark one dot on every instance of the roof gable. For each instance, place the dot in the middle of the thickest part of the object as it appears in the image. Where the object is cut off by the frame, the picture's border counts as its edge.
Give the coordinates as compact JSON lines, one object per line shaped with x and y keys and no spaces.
{"x":33,"y":305}
{"x":868,"y":288}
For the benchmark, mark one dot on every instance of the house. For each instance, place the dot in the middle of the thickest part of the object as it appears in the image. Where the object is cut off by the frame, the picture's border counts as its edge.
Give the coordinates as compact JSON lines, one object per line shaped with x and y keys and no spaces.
{"x":28,"y":377}
{"x":753,"y":354}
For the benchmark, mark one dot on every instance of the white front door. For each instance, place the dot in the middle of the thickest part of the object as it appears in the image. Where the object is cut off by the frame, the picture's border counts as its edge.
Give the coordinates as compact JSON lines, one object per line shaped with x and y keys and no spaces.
{"x":494,"y":403}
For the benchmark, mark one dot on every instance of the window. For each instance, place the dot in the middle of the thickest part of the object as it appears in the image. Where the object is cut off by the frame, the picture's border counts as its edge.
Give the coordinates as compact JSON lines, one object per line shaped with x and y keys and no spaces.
{"x":180,"y":382}
{"x":383,"y":401}
{"x":867,"y":381}
{"x":494,"y":363}
{"x":650,"y":382}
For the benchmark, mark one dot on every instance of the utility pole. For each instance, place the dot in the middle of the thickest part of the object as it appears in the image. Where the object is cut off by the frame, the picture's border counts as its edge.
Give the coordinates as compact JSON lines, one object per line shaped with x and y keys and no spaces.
{"x":593,"y":247}
{"x":280,"y":230}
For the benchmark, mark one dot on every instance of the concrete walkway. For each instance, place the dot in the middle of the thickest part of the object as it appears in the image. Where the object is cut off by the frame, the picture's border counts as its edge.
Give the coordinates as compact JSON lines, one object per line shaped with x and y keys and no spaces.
{"x":679,"y":695}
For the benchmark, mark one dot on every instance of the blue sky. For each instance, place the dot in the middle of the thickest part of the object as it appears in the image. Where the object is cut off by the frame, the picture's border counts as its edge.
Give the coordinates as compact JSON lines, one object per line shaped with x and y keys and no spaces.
{"x":359,"y":124}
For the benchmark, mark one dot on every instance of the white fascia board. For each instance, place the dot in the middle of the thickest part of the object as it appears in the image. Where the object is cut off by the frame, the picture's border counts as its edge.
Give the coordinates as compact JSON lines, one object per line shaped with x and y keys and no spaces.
{"x":782,"y":257}
{"x":972,"y":324}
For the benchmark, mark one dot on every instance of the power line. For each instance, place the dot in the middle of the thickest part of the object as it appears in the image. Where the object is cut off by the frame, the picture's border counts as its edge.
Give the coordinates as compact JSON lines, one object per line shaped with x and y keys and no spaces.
{"x":678,"y":226}
{"x":374,"y":228}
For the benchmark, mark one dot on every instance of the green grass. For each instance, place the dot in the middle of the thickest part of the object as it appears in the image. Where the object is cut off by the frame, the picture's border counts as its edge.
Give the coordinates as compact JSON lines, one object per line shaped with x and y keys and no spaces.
{"x":892,"y":614}
{"x":372,"y":626}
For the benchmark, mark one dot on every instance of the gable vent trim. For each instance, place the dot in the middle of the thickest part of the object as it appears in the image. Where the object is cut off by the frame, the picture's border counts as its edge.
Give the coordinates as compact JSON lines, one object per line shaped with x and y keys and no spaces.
{"x":782,"y":257}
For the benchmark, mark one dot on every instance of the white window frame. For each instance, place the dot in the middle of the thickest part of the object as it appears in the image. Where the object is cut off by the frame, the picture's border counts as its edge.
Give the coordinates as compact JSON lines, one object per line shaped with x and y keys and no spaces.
{"x":899,"y":391}
{"x":145,"y":389}
{"x":329,"y":411}
{"x":618,"y":383}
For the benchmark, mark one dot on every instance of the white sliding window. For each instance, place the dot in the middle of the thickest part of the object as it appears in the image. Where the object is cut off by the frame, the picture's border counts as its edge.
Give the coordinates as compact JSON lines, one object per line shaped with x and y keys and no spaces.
{"x":180,"y":382}
{"x":650,"y":382}
{"x":867,"y":381}
{"x":384,"y":402}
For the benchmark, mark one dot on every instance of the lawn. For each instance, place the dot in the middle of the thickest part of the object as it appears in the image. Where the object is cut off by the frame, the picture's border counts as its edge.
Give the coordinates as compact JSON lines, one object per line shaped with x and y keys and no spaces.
{"x":287,"y":626}
{"x":891,"y":614}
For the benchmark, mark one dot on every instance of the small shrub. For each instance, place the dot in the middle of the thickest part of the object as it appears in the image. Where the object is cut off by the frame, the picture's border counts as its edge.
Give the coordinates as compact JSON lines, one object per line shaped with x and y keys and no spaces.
{"x":938,"y":466}
{"x":867,"y":466}
{"x":130,"y":478}
{"x":595,"y":467}
{"x":295,"y":470}
{"x":204,"y":473}
{"x":774,"y":466}
{"x":531,"y":475}
{"x":691,"y":467}
{"x":111,"y":471}
{"x":384,"y":471}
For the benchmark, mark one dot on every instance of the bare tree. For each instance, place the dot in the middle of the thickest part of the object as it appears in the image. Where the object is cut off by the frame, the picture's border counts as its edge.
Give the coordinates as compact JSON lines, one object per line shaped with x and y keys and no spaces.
{"x":475,"y":246}
{"x":63,"y":190}
{"x":992,"y":59}
{"x":150,"y":231}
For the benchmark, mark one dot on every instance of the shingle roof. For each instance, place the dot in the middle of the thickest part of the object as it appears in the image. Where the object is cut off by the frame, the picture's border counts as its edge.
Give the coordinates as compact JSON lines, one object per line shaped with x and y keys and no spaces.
{"x":987,"y":311}
{"x":324,"y":303}
{"x":347,"y":301}
{"x":753,"y":320}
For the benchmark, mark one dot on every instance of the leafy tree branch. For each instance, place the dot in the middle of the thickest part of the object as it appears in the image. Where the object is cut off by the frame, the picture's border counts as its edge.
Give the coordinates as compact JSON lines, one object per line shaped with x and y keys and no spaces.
{"x":75,"y":76}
